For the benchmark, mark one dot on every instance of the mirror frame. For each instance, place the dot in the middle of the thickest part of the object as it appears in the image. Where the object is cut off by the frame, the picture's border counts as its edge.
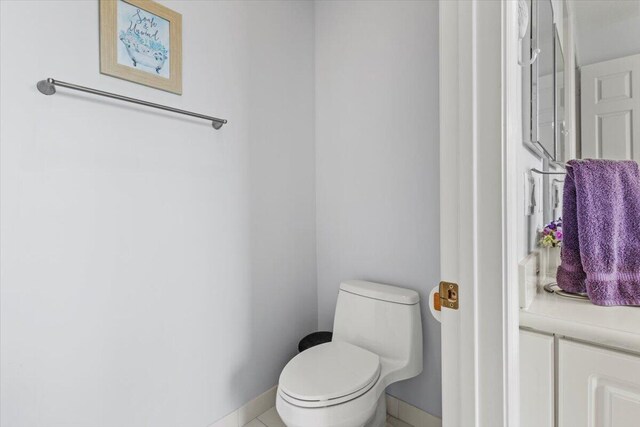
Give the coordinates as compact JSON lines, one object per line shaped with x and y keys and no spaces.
{"x":558,"y":122}
{"x":531,"y":141}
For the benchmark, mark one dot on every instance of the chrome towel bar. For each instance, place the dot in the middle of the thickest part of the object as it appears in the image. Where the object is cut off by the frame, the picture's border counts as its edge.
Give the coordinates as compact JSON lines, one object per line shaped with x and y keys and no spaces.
{"x":48,"y":87}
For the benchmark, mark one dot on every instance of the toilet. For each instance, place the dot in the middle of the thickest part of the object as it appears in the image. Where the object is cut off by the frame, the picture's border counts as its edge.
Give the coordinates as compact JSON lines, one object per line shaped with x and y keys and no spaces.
{"x":377,"y":341}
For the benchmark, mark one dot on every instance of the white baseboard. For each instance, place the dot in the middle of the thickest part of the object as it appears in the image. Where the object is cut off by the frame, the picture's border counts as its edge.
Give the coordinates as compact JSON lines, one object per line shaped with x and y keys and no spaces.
{"x":395,"y":407}
{"x":410,"y":414}
{"x":258,"y":406}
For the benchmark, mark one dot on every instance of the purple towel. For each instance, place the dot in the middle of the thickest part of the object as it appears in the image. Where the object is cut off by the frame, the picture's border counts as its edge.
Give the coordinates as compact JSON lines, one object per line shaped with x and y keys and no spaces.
{"x":601,"y":227}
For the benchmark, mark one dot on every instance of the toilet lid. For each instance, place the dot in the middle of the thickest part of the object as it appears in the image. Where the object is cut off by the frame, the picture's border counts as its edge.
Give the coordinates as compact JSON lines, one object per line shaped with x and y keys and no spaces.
{"x":329,"y":371}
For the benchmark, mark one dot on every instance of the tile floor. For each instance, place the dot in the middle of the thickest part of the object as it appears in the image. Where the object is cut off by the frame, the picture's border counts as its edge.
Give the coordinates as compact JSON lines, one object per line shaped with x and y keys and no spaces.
{"x":394,"y":422}
{"x":268,"y":419}
{"x":272,"y":419}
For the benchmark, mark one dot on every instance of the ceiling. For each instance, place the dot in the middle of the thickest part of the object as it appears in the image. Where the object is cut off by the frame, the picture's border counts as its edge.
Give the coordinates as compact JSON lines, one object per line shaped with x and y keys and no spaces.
{"x":605,"y":29}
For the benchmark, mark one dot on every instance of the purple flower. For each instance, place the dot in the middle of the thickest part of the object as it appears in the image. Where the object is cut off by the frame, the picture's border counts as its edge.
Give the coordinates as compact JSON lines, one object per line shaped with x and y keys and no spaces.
{"x":551,"y":235}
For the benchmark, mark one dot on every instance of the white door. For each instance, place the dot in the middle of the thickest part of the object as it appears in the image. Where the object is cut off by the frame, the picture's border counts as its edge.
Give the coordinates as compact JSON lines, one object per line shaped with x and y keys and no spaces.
{"x":597,"y":387}
{"x":479,"y":372}
{"x":611,"y":109}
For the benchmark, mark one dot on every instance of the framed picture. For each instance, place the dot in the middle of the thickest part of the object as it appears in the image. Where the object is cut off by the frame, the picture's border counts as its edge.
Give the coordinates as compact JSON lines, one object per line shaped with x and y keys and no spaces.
{"x":141,"y":41}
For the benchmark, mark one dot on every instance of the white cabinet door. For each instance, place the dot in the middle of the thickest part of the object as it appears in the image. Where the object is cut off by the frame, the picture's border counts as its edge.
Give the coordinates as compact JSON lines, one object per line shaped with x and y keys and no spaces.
{"x":610,"y":104}
{"x":597,"y":387}
{"x":536,"y":380}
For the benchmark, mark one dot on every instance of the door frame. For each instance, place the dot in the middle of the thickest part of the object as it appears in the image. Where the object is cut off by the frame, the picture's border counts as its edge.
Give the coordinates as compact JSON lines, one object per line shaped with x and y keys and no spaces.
{"x":480,"y":133}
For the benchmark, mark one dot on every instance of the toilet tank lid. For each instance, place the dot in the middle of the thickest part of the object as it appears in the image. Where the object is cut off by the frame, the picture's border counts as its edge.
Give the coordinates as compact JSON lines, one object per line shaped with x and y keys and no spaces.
{"x":380,"y":292}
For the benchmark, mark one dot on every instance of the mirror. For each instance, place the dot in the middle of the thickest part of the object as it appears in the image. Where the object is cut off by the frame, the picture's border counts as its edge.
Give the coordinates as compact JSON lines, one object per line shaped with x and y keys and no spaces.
{"x":597,"y":71}
{"x":607,"y":56}
{"x":542,"y":79}
{"x":560,"y":123}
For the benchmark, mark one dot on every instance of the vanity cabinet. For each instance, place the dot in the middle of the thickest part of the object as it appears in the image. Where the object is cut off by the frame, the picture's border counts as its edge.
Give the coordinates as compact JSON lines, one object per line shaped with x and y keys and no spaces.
{"x":565,"y":383}
{"x":597,"y":387}
{"x":536,"y":379}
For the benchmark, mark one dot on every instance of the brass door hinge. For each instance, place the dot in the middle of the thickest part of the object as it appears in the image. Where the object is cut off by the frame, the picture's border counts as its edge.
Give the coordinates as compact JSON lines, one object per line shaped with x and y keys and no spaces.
{"x":448,"y":295}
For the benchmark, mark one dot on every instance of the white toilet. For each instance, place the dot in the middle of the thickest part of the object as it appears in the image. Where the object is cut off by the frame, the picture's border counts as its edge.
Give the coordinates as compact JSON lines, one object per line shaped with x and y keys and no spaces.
{"x":377,"y":340}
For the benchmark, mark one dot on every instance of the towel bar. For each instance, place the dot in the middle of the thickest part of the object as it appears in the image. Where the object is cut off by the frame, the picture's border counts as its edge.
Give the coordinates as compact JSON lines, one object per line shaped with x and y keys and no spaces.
{"x":48,"y":87}
{"x":534,"y":170}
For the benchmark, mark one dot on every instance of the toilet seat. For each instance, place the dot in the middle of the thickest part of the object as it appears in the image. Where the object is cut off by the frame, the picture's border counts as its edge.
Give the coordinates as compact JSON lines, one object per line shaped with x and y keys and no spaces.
{"x":328,"y":374}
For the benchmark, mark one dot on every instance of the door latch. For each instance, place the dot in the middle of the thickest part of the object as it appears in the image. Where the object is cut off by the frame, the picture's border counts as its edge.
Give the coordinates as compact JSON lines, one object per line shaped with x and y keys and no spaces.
{"x":448,"y":295}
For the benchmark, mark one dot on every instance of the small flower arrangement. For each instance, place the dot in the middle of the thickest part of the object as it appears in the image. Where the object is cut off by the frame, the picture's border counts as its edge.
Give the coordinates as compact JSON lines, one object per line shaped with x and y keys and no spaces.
{"x":551,"y":236}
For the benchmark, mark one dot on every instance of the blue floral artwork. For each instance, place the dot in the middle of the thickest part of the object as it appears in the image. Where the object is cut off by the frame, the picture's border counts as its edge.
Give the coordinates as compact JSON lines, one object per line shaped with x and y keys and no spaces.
{"x":143,"y":40}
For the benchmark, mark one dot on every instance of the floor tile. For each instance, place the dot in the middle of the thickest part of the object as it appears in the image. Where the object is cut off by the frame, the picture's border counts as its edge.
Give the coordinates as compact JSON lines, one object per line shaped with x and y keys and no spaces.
{"x":254,"y":423}
{"x":271,"y":418}
{"x":230,"y":420}
{"x":394,"y":422}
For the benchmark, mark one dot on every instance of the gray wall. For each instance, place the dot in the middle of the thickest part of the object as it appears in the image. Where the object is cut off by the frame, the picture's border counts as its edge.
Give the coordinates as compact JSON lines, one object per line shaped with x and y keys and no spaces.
{"x":157,"y":272}
{"x":154,"y":271}
{"x":377,"y":160}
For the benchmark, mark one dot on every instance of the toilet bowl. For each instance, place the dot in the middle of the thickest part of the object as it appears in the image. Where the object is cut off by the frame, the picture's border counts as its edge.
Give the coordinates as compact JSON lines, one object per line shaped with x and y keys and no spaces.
{"x":377,"y":340}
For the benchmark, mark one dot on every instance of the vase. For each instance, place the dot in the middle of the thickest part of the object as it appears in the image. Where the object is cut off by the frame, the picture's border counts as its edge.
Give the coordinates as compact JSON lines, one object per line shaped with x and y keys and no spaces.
{"x":549,"y":263}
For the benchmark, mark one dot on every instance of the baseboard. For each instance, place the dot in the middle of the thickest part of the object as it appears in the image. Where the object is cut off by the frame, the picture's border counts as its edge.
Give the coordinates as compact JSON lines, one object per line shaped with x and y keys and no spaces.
{"x":410,"y":414}
{"x":241,"y":416}
{"x":397,"y":408}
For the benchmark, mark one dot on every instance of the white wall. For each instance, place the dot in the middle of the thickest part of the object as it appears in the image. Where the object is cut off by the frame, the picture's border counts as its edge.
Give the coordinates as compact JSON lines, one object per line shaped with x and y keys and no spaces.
{"x":377,"y":160}
{"x":154,"y":271}
{"x":528,"y":225}
{"x":605,"y":29}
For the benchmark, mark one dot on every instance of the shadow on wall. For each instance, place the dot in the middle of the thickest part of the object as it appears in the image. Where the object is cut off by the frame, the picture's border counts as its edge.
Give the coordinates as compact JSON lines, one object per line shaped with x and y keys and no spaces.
{"x":282,"y":300}
{"x":377,"y":144}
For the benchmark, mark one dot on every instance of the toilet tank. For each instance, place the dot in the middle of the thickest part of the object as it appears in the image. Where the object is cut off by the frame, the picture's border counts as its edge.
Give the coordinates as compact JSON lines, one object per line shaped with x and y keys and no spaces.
{"x":383,"y":319}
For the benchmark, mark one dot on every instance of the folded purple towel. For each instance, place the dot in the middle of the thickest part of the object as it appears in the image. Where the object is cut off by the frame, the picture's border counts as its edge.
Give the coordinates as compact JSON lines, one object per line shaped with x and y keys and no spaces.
{"x":601,"y":227}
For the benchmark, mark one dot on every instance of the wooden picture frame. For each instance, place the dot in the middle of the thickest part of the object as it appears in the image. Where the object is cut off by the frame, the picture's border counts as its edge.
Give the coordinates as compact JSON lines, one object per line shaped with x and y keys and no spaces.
{"x":141,"y":41}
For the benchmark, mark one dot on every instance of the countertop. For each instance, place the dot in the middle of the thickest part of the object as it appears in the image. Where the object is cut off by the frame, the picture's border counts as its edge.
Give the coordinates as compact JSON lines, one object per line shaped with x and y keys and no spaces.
{"x":617,"y":327}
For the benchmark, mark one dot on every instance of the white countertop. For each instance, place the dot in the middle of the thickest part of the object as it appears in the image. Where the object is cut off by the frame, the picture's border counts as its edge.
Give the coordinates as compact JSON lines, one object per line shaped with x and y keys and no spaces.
{"x":617,"y":327}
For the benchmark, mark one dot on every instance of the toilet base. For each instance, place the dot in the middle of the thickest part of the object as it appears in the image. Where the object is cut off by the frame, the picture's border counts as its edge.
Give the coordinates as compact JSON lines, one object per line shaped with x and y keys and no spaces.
{"x":379,"y":418}
{"x":350,"y":414}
